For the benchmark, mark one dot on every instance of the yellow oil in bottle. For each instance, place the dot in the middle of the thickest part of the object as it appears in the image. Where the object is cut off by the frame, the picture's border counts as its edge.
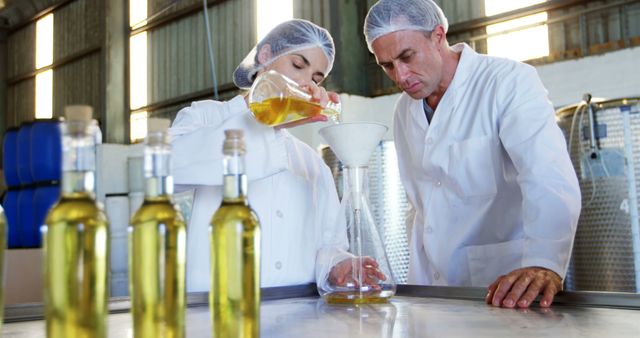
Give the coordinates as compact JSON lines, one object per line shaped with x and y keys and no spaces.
{"x":353,"y":297}
{"x":276,"y":111}
{"x":235,"y":271}
{"x":157,"y":249}
{"x":3,"y":247}
{"x":76,"y":251}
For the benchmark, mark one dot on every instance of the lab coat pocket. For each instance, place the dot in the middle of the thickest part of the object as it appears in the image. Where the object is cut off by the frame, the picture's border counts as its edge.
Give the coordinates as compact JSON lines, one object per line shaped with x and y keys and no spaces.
{"x":488,"y":262}
{"x":471,"y":167}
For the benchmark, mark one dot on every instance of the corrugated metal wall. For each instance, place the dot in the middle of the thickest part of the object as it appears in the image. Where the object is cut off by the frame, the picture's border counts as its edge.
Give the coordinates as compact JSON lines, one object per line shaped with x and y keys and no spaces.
{"x":21,"y":102}
{"x":178,"y":58}
{"x":20,"y":61}
{"x":78,"y":27}
{"x":22,"y":51}
{"x":316,"y":11}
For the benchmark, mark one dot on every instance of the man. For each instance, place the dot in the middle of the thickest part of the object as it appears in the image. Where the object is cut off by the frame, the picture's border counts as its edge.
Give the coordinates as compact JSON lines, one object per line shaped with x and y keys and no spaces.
{"x":482,"y":160}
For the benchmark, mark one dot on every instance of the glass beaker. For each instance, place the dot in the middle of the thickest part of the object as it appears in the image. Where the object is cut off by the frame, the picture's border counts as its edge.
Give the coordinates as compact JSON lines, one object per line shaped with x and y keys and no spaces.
{"x":275,"y":99}
{"x":364,"y":275}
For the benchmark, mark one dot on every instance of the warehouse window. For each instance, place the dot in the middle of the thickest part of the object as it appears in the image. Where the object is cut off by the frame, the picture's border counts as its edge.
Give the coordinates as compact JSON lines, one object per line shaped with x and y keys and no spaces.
{"x":138,"y":71}
{"x":44,"y":58}
{"x":271,"y":13}
{"x":524,"y":44}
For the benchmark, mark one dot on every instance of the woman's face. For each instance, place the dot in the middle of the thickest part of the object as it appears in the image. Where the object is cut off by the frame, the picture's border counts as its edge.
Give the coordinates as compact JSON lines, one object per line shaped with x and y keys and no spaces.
{"x":303,"y":66}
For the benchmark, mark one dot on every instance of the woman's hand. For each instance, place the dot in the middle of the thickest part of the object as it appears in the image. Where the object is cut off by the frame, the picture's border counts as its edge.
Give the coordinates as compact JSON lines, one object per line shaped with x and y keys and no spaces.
{"x":348,"y":271}
{"x":319,"y":95}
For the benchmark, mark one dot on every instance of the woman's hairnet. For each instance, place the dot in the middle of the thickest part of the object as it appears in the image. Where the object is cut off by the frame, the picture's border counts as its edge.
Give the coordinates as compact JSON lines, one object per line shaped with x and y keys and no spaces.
{"x":388,"y":16}
{"x":286,"y":38}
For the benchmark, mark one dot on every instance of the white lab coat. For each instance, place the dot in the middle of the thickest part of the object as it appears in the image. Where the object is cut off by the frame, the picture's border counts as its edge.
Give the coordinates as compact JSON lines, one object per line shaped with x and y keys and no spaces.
{"x":290,"y":188}
{"x":490,"y":178}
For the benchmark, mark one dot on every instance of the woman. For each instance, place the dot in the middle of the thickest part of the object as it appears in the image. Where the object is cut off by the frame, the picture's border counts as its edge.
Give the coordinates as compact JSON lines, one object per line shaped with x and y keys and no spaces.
{"x":290,"y":187}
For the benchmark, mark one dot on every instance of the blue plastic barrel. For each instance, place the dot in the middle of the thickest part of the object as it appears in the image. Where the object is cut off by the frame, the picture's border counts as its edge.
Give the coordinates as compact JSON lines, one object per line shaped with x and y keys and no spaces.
{"x":43,"y":199}
{"x":10,"y":205}
{"x":46,"y":150}
{"x":24,"y":156}
{"x":29,"y":232}
{"x":10,"y":157}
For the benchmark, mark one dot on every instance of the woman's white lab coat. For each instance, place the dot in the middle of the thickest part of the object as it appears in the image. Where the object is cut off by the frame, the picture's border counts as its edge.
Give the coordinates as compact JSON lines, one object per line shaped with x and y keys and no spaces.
{"x":490,"y":178}
{"x":290,"y":188}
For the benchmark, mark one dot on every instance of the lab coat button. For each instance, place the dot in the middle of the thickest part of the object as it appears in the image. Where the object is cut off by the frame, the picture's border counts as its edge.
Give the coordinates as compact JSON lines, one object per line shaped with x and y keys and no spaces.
{"x":429,"y":140}
{"x":429,"y":229}
{"x":436,"y":276}
{"x":279,"y":213}
{"x":438,"y":183}
{"x":278,"y":265}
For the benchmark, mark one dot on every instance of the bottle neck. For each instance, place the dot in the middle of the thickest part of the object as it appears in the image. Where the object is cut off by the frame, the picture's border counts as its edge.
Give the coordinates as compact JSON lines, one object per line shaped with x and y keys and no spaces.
{"x":158,"y":186}
{"x":78,"y":164}
{"x":157,"y":166}
{"x":78,"y":182}
{"x":235,"y":180}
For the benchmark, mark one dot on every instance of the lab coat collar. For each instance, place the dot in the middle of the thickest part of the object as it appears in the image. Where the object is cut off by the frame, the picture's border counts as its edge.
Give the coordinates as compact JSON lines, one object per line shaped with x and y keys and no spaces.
{"x":466,"y":64}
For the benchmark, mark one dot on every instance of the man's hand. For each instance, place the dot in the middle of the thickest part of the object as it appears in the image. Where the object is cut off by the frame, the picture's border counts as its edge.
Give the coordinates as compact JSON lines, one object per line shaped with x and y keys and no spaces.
{"x":347,"y":271}
{"x":520,"y":287}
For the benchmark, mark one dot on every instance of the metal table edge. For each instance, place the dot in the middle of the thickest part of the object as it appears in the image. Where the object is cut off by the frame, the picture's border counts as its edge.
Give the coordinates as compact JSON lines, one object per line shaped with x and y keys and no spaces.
{"x":35,"y":311}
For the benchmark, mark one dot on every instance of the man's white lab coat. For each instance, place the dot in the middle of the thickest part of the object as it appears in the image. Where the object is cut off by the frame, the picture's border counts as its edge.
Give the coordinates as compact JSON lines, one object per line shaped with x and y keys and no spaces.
{"x":290,"y":188}
{"x":490,"y":178}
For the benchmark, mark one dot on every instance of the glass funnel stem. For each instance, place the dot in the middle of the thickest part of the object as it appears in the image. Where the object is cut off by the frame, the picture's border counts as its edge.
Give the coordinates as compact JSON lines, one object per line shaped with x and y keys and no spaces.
{"x":355,"y":185}
{"x":357,"y":238}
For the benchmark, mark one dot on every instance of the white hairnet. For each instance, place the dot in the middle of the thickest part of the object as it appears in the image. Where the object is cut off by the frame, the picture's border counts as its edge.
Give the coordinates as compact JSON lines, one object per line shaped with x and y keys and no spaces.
{"x":388,"y":16}
{"x":286,"y":38}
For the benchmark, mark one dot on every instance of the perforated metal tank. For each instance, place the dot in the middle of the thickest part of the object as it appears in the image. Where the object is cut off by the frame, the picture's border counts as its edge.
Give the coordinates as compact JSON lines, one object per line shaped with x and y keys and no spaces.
{"x":604,"y":143}
{"x":388,"y":202}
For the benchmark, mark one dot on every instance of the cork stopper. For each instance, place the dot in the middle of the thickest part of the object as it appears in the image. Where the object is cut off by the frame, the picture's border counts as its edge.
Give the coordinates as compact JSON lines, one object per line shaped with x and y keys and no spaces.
{"x":78,"y":119}
{"x":157,"y":125}
{"x":233,"y":142}
{"x":81,"y":113}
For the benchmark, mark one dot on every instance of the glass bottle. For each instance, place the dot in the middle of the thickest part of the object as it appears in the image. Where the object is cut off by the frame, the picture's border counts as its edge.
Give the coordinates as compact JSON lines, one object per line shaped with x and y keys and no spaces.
{"x":363,"y":274}
{"x":235,"y":251}
{"x":274,"y":100}
{"x":76,"y":239}
{"x":157,"y":246}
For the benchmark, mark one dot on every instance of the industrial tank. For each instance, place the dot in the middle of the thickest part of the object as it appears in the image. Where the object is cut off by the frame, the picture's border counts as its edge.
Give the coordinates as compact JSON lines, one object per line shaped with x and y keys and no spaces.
{"x":604,"y":142}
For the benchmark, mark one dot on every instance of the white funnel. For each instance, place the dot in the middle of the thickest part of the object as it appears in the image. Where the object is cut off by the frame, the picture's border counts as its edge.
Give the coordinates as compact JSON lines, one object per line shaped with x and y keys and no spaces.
{"x":354,"y":143}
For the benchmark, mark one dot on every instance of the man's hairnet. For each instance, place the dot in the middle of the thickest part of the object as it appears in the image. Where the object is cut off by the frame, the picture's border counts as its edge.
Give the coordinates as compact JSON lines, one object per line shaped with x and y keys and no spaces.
{"x":388,"y":16}
{"x":286,"y":38}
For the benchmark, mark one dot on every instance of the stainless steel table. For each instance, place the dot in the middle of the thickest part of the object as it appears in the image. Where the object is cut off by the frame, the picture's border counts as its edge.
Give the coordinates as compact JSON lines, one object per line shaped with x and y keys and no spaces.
{"x":415,"y":312}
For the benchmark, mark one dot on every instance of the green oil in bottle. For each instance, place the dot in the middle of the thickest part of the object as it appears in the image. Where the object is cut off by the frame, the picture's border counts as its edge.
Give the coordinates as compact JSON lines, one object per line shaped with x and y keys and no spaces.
{"x":76,"y":239}
{"x":157,"y":247}
{"x":235,"y":252}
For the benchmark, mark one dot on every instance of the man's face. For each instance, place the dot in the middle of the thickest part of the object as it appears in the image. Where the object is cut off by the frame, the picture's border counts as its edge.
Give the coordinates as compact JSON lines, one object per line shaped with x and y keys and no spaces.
{"x":412,"y":60}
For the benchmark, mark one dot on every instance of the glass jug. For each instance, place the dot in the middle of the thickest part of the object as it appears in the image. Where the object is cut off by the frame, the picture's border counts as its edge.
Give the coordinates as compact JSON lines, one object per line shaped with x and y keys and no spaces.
{"x":275,"y":100}
{"x":362,"y":274}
